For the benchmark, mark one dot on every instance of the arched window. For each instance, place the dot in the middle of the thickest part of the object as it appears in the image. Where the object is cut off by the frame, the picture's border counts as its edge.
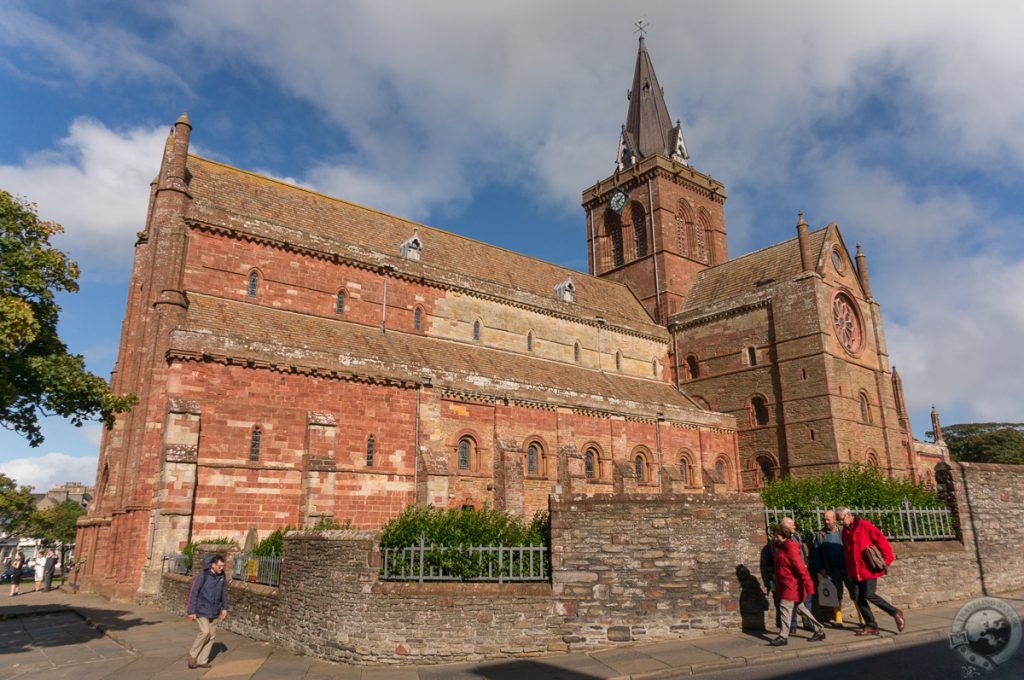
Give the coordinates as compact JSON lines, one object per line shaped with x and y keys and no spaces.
{"x":618,"y":361}
{"x":654,"y":367}
{"x":686,"y":475}
{"x":590,"y":463}
{"x":640,"y":468}
{"x":254,"y":284}
{"x":759,"y":408}
{"x":370,"y":450}
{"x":615,"y":236}
{"x":339,"y":304}
{"x":533,"y":459}
{"x":751,"y":356}
{"x":529,"y":341}
{"x":639,"y":229}
{"x":476,"y":330}
{"x":417,"y":319}
{"x":700,"y":244}
{"x":254,"y":443}
{"x":692,"y":368}
{"x":466,"y":446}
{"x":872,"y":459}
{"x":576,"y":352}
{"x":765,"y":469}
{"x":720,"y":469}
{"x":865,"y":408}
{"x":683,"y":219}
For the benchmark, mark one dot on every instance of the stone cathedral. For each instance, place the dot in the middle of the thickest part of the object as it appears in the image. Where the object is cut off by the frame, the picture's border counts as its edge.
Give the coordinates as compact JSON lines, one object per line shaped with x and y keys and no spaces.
{"x":297,"y":356}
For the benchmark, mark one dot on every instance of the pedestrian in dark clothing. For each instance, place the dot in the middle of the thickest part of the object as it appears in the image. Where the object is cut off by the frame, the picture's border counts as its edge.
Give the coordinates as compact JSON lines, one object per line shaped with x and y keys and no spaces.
{"x":207,"y":605}
{"x":794,"y":585}
{"x":16,"y":564}
{"x":830,"y":560}
{"x":49,"y":566}
{"x":858,"y":535}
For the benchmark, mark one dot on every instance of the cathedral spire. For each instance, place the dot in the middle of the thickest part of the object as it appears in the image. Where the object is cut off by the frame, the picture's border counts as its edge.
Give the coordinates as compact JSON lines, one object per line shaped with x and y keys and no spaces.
{"x":649,"y":129}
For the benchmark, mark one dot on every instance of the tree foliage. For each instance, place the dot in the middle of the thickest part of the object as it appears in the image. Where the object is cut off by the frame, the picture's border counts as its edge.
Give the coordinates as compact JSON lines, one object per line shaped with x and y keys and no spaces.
{"x":985,"y":442}
{"x":56,"y":525}
{"x":16,"y":505}
{"x":37,"y":374}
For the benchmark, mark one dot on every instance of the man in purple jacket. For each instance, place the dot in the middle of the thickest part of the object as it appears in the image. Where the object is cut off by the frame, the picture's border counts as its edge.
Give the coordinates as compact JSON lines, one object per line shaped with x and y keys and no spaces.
{"x":207,"y":604}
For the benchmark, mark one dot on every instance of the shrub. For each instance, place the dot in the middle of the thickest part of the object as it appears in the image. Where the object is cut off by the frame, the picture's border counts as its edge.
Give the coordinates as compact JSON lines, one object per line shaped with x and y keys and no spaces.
{"x":330,"y":524}
{"x":272,"y":544}
{"x":459,"y":529}
{"x":855,"y":487}
{"x":190,"y":549}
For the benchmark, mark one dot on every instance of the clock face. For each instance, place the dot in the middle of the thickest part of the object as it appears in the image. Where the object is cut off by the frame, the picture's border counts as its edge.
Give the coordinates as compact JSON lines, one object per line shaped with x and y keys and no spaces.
{"x":618,"y":200}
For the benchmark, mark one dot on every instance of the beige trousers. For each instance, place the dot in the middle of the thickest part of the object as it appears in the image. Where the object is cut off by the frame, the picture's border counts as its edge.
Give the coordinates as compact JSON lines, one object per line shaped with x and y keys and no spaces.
{"x":787,"y":616}
{"x":204,"y":641}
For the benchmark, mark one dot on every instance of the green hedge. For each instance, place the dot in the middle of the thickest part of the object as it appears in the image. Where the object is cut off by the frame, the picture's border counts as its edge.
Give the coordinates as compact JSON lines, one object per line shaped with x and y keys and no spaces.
{"x":855,"y":487}
{"x":458,"y":529}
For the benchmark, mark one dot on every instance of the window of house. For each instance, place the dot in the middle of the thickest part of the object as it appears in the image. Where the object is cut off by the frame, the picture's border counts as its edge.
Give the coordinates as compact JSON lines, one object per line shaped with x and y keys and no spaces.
{"x":615,"y":232}
{"x":684,"y":470}
{"x":760,"y":408}
{"x":254,"y":284}
{"x":465,"y":452}
{"x":590,"y":464}
{"x":254,"y":443}
{"x":720,"y":469}
{"x":529,"y":341}
{"x":370,"y":450}
{"x":417,"y":319}
{"x":654,"y":367}
{"x":865,"y":408}
{"x":576,"y":352}
{"x":639,"y":229}
{"x":476,"y":330}
{"x":339,"y":304}
{"x":618,"y":361}
{"x":639,"y":464}
{"x":751,"y":356}
{"x":532,"y":459}
{"x":692,"y":368}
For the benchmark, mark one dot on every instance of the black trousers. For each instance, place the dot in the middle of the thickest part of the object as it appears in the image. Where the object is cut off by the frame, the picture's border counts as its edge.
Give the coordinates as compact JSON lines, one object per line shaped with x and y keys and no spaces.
{"x":863,"y":592}
{"x":47,"y":580}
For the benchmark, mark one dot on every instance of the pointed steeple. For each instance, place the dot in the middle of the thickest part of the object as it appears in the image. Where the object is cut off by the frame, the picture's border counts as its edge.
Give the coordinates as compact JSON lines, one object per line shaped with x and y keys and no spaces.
{"x":649,"y":129}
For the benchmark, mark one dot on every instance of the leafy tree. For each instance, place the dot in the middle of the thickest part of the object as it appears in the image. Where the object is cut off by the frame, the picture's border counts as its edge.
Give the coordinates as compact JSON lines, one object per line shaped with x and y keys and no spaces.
{"x":986,"y":442}
{"x":37,"y":375}
{"x":56,"y":525}
{"x":16,"y":505}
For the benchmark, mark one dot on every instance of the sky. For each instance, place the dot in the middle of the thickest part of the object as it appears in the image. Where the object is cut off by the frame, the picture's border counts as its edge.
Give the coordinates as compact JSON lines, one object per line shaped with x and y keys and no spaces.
{"x":902,"y":122}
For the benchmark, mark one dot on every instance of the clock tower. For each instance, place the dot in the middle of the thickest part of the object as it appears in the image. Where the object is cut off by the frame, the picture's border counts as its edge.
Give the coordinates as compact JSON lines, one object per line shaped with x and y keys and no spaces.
{"x":656,"y":222}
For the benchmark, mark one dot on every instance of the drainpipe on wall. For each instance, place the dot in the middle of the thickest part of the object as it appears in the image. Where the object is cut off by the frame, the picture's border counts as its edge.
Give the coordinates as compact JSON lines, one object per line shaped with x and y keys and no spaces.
{"x":593,"y":242}
{"x":384,"y":306}
{"x":416,"y":446}
{"x":654,"y":251}
{"x":657,"y":441}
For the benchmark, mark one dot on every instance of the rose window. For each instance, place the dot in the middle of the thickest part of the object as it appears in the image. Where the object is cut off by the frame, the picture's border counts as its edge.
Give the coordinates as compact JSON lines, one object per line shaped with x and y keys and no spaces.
{"x":846,"y":321}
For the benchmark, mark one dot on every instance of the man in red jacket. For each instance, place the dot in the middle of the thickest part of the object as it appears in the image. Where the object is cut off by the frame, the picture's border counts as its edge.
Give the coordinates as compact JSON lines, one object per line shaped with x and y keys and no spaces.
{"x":858,"y":535}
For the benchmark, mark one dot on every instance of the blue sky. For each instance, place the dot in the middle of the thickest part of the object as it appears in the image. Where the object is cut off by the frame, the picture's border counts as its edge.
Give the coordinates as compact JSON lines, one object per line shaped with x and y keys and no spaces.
{"x":903,"y":122}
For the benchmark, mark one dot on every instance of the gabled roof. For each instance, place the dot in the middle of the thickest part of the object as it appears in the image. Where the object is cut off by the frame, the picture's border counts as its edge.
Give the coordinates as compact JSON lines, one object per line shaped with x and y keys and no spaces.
{"x":217,"y":326}
{"x":747,"y":274}
{"x":227,"y":196}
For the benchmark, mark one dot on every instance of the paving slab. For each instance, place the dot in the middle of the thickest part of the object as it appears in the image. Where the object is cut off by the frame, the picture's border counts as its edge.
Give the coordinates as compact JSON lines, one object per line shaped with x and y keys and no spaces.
{"x":629,"y":660}
{"x":676,"y":655}
{"x":324,"y":670}
{"x":282,"y":664}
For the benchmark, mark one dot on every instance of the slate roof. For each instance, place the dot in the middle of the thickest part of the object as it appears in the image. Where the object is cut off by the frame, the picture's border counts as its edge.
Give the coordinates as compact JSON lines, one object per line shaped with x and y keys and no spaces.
{"x":747,"y":274}
{"x":244,"y":330}
{"x":648,"y":125}
{"x":227,"y":196}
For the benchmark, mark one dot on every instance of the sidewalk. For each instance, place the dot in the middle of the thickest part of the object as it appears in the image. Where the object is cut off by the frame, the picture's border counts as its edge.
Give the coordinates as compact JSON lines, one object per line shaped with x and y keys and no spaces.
{"x":58,"y":635}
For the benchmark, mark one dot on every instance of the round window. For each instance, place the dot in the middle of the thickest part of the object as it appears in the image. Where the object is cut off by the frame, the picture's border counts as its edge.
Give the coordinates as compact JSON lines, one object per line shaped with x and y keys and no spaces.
{"x":847,"y":323}
{"x":837,"y":261}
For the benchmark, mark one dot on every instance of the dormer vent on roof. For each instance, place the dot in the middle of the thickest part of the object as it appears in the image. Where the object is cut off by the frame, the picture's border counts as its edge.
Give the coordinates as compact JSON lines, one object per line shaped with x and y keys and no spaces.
{"x":565,"y":290}
{"x":413,"y":247}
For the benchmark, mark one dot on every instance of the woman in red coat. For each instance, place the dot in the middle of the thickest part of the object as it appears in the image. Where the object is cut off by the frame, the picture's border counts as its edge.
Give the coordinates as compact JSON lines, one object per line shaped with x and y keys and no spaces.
{"x":859,"y":534}
{"x":793,"y":584}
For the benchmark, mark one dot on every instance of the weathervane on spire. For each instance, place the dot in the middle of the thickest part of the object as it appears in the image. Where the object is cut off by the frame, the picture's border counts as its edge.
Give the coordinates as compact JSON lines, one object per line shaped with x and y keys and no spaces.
{"x":641,"y":27}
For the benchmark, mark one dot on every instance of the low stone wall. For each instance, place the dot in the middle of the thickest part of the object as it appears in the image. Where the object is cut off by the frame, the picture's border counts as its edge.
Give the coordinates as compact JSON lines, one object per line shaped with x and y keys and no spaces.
{"x":624,"y":568}
{"x":653,"y":567}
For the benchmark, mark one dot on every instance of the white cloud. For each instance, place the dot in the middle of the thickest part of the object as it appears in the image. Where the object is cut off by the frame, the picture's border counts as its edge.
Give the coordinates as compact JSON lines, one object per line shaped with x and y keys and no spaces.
{"x":95,"y":183}
{"x":49,"y":470}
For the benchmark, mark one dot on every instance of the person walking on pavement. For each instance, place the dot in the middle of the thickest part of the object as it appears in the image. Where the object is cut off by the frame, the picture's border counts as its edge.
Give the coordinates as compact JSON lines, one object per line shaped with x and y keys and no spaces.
{"x":794,"y":585}
{"x":49,"y":566}
{"x":207,"y":605}
{"x":859,"y":536}
{"x":830,"y":561}
{"x":37,"y":567}
{"x":16,"y":564}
